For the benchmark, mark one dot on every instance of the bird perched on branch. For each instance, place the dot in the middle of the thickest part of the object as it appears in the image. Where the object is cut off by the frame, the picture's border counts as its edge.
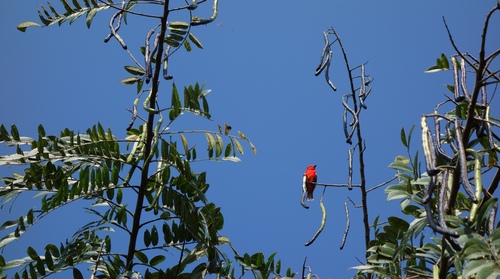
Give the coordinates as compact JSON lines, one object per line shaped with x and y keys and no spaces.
{"x":309,"y":181}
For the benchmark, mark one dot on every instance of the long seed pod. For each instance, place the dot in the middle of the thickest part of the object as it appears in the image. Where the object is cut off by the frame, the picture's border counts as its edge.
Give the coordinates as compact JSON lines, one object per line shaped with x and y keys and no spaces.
{"x":327,"y":70}
{"x":349,"y":176}
{"x":362,"y":90}
{"x":326,"y":49}
{"x":200,"y":21}
{"x":488,"y":127}
{"x":462,"y":160}
{"x":437,"y":130}
{"x":442,"y":198}
{"x":463,"y":81}
{"x":354,"y":122}
{"x":492,"y":218}
{"x":134,"y":114}
{"x":323,"y":221}
{"x":434,"y":226}
{"x":428,"y":147}
{"x":453,"y":146}
{"x":478,"y":183}
{"x":165,"y":64}
{"x":145,"y":104}
{"x":456,"y":88}
{"x":151,"y":55}
{"x":147,"y":56}
{"x":430,"y":189}
{"x":113,"y":29}
{"x":347,"y":225}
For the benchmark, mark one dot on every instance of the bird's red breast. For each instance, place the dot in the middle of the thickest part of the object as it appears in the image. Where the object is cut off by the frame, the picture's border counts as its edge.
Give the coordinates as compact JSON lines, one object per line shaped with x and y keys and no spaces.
{"x":310,"y":176}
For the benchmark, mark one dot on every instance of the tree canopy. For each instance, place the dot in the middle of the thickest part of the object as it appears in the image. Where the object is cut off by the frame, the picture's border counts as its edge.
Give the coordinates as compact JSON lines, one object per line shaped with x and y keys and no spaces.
{"x":150,"y":185}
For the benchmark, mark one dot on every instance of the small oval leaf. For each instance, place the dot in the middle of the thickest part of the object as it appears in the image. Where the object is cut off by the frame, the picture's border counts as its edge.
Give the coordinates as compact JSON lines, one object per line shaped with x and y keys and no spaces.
{"x":141,"y":257}
{"x":130,"y":80}
{"x":156,"y":260}
{"x":134,"y":70}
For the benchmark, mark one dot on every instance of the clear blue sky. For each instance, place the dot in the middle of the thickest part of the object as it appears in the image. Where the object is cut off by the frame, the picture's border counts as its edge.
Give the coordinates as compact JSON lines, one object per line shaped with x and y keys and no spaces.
{"x":259,"y":59}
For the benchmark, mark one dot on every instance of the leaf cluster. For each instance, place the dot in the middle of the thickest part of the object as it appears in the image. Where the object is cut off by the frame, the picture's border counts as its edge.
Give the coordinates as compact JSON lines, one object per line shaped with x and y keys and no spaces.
{"x":173,"y":221}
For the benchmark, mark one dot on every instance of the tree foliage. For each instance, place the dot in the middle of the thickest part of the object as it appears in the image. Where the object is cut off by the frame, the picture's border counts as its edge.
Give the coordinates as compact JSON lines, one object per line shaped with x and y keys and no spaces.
{"x":454,"y":194}
{"x":142,"y":186}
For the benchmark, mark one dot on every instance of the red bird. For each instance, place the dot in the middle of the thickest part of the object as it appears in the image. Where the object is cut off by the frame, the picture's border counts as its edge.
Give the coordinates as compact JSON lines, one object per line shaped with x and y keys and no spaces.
{"x":309,"y":176}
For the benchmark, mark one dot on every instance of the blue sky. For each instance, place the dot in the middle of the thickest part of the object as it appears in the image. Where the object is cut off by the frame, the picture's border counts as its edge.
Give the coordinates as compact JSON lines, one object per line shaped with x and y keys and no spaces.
{"x":259,"y":59}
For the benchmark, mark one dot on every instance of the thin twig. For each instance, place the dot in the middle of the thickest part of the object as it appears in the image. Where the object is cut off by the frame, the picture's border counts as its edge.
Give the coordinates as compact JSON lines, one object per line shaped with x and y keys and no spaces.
{"x":382,"y":184}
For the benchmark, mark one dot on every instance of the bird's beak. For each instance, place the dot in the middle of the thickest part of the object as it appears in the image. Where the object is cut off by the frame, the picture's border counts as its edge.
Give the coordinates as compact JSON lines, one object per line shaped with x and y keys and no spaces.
{"x":315,"y":166}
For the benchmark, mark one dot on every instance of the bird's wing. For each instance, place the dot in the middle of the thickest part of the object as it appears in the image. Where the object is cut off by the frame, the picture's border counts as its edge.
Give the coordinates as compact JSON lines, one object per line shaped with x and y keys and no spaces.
{"x":304,"y":188}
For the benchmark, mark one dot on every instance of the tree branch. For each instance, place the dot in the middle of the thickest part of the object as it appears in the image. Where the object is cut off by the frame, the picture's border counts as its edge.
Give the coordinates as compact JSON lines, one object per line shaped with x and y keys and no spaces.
{"x":148,"y":143}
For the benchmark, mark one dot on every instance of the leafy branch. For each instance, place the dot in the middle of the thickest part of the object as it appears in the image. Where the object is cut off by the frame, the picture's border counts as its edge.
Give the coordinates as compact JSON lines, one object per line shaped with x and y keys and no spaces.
{"x":172,"y":213}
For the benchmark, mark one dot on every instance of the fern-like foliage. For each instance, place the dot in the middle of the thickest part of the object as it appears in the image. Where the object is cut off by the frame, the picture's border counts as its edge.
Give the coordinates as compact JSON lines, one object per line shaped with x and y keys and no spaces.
{"x":49,"y":15}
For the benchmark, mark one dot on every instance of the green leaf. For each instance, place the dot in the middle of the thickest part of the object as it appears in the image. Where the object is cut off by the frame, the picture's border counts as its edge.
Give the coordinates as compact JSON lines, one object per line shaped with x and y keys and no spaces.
{"x":56,"y":14}
{"x":154,"y":236}
{"x":4,"y":135}
{"x":227,"y":151}
{"x":40,"y":268}
{"x":477,"y":266}
{"x":397,"y":191}
{"x":156,"y":260}
{"x":218,"y":145}
{"x":176,"y":103}
{"x":90,"y":16}
{"x":41,"y":131}
{"x":172,"y":42}
{"x":77,"y":274}
{"x":398,"y":223}
{"x":141,"y":257}
{"x":195,"y":40}
{"x":401,"y":166}
{"x":119,"y":196}
{"x":32,"y":253}
{"x":107,"y":242}
{"x":178,"y":25}
{"x":135,"y":71}
{"x":48,"y":260}
{"x":187,"y":45}
{"x":205,"y":106}
{"x":14,"y":132}
{"x":32,"y":271}
{"x":238,"y":146}
{"x":53,"y":250}
{"x":210,"y":142}
{"x":475,"y":249}
{"x":29,"y":217}
{"x":403,"y":137}
{"x":77,"y":5}
{"x":42,"y":18}
{"x":67,"y":7}
{"x":147,"y":238}
{"x":9,"y":223}
{"x":22,"y":26}
{"x":184,"y":143}
{"x":130,"y":80}
{"x":441,"y":65}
